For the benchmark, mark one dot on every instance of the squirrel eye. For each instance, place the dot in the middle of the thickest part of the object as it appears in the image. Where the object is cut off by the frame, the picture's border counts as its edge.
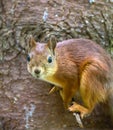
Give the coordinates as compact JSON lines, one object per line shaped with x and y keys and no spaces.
{"x":28,"y":58}
{"x":49,"y":59}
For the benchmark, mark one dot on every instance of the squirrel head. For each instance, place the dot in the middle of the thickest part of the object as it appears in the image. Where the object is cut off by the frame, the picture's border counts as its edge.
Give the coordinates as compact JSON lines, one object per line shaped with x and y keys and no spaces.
{"x":41,"y":59}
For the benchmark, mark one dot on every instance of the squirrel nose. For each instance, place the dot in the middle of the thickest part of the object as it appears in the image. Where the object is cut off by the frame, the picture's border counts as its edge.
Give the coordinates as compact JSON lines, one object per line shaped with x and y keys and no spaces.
{"x":37,"y":71}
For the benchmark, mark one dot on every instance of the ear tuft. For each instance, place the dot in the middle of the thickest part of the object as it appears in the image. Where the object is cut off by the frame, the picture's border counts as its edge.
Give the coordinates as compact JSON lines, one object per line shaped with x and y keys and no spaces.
{"x":52,"y":44}
{"x":31,"y":42}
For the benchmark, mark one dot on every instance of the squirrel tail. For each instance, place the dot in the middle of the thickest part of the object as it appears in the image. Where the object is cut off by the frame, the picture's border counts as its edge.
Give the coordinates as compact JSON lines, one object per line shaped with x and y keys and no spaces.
{"x":110,"y":104}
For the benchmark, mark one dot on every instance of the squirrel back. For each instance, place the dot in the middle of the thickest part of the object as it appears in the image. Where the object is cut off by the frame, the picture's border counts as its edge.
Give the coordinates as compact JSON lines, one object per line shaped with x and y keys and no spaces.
{"x":75,"y":65}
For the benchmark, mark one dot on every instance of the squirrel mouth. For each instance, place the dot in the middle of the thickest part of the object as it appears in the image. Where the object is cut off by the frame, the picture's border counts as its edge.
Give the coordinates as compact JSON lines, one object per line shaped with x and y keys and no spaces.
{"x":37,"y":76}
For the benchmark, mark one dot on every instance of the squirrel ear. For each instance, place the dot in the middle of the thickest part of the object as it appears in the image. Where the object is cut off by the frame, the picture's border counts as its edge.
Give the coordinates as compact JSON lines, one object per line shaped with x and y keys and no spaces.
{"x":52,"y":44}
{"x":31,"y":42}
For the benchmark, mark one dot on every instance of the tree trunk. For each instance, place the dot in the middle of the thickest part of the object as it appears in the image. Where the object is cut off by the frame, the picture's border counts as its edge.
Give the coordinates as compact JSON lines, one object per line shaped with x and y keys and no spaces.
{"x":24,"y":101}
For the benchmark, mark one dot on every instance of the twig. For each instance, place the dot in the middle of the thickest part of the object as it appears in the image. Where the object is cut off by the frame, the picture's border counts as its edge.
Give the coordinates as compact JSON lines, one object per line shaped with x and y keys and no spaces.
{"x":78,"y":119}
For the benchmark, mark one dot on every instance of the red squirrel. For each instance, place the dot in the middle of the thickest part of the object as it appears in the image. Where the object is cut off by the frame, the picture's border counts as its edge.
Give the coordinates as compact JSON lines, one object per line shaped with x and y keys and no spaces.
{"x":74,"y":66}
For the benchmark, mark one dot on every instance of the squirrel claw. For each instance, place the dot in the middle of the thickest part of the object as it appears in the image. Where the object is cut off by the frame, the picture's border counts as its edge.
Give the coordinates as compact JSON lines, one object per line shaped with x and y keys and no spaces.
{"x":53,"y":89}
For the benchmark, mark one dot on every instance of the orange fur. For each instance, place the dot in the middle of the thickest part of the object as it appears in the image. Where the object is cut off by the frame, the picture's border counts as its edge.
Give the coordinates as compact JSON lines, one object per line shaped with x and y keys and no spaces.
{"x":78,"y":65}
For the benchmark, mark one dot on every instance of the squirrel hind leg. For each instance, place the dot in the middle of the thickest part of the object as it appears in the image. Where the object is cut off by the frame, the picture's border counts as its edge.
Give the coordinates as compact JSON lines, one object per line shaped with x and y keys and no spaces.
{"x":92,"y":90}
